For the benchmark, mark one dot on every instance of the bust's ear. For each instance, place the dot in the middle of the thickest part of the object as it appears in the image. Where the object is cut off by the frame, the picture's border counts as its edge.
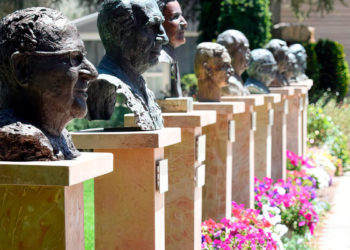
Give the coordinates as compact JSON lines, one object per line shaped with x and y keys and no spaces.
{"x":20,"y":69}
{"x":207,"y":69}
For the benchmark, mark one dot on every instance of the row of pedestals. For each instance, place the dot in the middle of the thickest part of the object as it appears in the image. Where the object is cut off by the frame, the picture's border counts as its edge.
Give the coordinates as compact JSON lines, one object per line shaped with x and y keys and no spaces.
{"x":153,"y":189}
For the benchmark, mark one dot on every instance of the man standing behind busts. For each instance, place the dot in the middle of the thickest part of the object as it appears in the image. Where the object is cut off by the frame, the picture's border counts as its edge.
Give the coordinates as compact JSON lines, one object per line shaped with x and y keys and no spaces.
{"x":132,"y":34}
{"x":175,"y":26}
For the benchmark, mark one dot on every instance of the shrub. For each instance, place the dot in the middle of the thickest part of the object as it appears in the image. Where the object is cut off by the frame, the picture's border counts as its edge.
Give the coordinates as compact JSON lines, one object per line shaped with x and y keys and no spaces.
{"x":189,"y":85}
{"x":322,"y":131}
{"x":252,"y":17}
{"x":208,"y":19}
{"x":334,"y":70}
{"x":313,"y":72}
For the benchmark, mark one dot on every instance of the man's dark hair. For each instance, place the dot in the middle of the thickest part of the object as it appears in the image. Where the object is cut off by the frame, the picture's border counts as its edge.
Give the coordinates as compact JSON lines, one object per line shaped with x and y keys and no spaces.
{"x":162,"y":3}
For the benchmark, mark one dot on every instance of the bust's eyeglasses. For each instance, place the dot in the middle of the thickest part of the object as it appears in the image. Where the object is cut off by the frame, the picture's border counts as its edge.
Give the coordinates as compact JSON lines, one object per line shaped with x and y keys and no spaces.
{"x":72,"y":57}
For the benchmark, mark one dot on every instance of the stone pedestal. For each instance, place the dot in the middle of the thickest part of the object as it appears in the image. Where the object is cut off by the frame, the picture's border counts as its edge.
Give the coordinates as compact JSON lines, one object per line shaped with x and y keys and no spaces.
{"x":183,"y":201}
{"x":217,"y":192}
{"x":129,"y":203}
{"x":307,"y":84}
{"x":279,"y":134}
{"x":42,"y":205}
{"x":263,"y":135}
{"x":243,"y":152}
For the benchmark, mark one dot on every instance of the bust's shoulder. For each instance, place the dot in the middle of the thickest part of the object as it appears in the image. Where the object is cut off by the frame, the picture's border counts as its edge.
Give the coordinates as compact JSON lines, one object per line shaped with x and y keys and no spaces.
{"x":24,"y":142}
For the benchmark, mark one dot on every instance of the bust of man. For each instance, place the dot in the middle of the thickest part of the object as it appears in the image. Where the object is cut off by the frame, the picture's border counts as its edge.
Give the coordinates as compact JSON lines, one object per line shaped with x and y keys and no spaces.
{"x":300,"y":53}
{"x":213,"y":69}
{"x":132,"y":34}
{"x":292,"y":68}
{"x":237,"y":46}
{"x":280,"y":51}
{"x":44,"y":78}
{"x":175,"y":26}
{"x":261,"y":71}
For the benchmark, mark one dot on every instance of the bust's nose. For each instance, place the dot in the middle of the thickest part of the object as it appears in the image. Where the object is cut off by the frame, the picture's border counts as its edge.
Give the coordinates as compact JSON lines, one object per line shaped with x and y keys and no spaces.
{"x":162,"y":37}
{"x":88,"y":70}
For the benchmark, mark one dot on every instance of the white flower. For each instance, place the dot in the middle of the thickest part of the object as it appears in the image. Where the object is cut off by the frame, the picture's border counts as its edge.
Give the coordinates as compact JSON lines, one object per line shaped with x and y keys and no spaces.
{"x":281,"y":190}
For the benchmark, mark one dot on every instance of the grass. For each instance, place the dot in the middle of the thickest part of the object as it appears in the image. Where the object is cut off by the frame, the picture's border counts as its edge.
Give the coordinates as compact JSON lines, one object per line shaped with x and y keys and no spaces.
{"x":89,"y":215}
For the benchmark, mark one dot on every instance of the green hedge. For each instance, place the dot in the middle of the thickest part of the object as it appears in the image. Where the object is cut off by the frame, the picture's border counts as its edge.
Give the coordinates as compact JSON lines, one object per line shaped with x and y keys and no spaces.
{"x":329,"y":70}
{"x":252,"y":17}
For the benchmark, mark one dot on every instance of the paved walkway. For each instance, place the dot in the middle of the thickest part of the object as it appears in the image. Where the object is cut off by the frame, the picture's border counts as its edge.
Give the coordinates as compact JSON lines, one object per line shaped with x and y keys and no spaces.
{"x":335,"y":231}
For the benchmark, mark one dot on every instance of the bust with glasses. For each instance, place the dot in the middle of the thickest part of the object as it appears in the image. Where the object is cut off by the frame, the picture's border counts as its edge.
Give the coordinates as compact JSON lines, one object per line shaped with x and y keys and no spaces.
{"x":261,"y":71}
{"x":44,"y":77}
{"x":132,"y":35}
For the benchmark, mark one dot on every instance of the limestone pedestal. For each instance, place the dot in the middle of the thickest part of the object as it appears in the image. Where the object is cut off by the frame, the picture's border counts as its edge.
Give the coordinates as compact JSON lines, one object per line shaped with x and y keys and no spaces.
{"x":307,"y":84}
{"x":217,"y":192}
{"x":279,"y":133}
{"x":129,"y":203}
{"x":183,"y":201}
{"x":42,"y":205}
{"x":263,"y":135}
{"x":243,"y":152}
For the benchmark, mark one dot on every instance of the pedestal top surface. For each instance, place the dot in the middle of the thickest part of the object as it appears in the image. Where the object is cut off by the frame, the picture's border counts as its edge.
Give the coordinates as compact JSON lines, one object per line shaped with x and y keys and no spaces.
{"x":56,"y":173}
{"x":308,"y":83}
{"x":272,"y":98}
{"x":189,"y":119}
{"x":98,"y":139}
{"x":221,"y":107}
{"x":253,"y":100}
{"x":282,"y":90}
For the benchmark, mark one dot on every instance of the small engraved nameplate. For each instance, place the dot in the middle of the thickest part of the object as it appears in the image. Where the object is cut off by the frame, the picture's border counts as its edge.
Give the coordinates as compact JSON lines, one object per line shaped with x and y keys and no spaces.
{"x":162,"y":176}
{"x":271,"y":117}
{"x":201,"y":142}
{"x":253,"y":121}
{"x":286,"y":107}
{"x":232,"y":131}
{"x":200,"y":176}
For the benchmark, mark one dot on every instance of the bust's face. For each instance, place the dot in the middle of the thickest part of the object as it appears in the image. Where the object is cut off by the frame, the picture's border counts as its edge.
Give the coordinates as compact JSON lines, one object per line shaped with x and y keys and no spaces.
{"x":58,"y":80}
{"x":240,"y":58}
{"x":143,"y":46}
{"x":174,"y":24}
{"x":221,"y":69}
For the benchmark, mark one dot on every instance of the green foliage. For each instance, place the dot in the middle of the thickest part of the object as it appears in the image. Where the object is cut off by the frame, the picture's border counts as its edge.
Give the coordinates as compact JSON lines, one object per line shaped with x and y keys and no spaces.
{"x":334,"y":69}
{"x":189,"y":85}
{"x":208,"y":19}
{"x":89,"y":215}
{"x":313,"y":72}
{"x":327,"y":67}
{"x":252,"y":17}
{"x":117,"y":120}
{"x":322,"y":131}
{"x":295,"y":242}
{"x":303,"y":8}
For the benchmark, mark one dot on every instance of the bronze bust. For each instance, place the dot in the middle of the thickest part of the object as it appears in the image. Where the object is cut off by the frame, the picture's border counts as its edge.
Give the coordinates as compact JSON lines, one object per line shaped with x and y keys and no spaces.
{"x":237,"y":46}
{"x":44,"y":78}
{"x":213,"y":70}
{"x":132,"y":34}
{"x":175,"y":26}
{"x":300,"y":53}
{"x":280,"y":51}
{"x":261,"y":71}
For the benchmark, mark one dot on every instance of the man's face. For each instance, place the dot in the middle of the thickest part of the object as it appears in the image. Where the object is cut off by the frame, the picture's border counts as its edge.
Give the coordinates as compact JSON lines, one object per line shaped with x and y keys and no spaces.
{"x":59,"y":80}
{"x":282,"y":58}
{"x":175,"y":24}
{"x":143,"y":46}
{"x":301,"y":58}
{"x":221,"y":69}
